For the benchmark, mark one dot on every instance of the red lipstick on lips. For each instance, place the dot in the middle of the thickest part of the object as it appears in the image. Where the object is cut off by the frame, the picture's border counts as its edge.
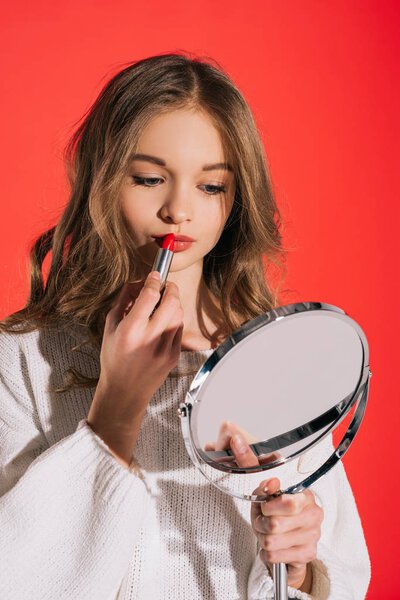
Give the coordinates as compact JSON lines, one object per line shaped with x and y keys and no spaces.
{"x":164,"y":257}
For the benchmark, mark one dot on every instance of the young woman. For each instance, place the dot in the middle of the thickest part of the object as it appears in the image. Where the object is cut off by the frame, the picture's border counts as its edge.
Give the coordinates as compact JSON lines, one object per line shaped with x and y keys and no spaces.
{"x":99,"y":500}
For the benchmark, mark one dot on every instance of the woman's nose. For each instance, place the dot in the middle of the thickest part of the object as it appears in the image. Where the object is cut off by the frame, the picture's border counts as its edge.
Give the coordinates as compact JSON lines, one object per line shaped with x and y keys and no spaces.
{"x":177,"y":207}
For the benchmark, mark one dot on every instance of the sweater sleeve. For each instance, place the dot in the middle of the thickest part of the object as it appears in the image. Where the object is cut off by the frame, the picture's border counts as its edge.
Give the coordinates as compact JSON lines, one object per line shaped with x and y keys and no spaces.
{"x":70,"y":514}
{"x":342,"y":567}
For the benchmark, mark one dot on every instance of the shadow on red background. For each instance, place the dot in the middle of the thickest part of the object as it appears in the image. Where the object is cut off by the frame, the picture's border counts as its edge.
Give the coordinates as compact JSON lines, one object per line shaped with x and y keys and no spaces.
{"x":322,"y":79}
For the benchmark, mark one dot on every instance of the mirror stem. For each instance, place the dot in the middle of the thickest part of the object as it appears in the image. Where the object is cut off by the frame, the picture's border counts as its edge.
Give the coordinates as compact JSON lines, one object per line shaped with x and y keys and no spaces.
{"x":279,"y":575}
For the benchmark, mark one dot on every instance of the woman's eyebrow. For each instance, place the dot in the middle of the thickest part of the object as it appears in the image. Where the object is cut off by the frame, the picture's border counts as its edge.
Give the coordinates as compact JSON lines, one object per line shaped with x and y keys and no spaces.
{"x":159,"y":161}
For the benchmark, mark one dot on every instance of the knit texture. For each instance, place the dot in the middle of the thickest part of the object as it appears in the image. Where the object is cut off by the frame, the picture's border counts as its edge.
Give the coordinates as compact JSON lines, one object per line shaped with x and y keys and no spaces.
{"x":76,"y":525}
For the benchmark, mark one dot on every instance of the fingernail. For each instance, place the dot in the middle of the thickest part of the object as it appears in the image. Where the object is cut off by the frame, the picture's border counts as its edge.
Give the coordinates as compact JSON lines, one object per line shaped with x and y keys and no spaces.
{"x":239,"y":443}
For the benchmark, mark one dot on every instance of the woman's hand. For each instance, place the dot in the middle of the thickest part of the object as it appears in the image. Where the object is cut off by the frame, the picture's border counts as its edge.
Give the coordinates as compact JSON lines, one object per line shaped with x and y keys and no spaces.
{"x":288,"y":528}
{"x":137,"y":353}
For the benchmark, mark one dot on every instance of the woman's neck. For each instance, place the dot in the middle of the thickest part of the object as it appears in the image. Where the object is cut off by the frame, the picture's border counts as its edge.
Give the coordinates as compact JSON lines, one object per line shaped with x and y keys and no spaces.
{"x":203,"y":323}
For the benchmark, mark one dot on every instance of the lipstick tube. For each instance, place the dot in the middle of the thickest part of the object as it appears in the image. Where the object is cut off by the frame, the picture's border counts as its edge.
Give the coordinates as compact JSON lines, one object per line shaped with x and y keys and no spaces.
{"x":163,"y":260}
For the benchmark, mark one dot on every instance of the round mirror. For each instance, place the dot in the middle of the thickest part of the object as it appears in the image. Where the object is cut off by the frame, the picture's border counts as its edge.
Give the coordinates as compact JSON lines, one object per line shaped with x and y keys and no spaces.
{"x":283,"y":381}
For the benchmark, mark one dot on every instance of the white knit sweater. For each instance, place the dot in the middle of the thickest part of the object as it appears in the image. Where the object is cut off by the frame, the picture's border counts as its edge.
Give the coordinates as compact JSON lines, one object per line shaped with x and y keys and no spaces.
{"x":76,"y":525}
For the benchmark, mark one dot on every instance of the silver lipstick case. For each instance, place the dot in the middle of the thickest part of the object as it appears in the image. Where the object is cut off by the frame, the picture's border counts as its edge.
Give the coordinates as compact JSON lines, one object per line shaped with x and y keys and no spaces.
{"x":162,"y":264}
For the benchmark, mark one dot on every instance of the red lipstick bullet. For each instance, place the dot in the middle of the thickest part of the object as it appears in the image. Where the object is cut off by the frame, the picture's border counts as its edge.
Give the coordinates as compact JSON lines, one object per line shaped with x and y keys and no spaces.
{"x":164,"y":257}
{"x":168,"y":242}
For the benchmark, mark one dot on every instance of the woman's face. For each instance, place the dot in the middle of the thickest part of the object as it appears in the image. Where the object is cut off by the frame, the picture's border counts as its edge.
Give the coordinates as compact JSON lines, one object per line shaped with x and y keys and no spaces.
{"x":178,"y":182}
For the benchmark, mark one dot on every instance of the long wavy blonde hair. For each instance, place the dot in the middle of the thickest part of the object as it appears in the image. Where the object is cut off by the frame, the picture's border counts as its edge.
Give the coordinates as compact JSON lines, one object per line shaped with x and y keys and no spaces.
{"x":92,"y":254}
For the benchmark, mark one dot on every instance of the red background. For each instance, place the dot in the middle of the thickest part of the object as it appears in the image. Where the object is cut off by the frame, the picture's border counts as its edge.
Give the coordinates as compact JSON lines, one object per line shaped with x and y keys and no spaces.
{"x":322,"y":79}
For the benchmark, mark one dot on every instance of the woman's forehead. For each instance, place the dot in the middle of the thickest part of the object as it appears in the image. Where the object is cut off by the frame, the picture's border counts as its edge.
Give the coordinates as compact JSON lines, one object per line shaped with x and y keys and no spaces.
{"x":185,"y":137}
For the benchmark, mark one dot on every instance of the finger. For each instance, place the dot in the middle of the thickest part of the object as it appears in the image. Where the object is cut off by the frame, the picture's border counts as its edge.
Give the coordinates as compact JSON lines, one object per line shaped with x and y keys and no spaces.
{"x":167,"y":322}
{"x":124,"y":299}
{"x":287,"y":504}
{"x":169,"y":310}
{"x":308,"y":518}
{"x":167,"y":337}
{"x":242,"y":452}
{"x":283,"y":541}
{"x":295,"y":554}
{"x":269,"y":486}
{"x":146,"y":300}
{"x":272,"y":486}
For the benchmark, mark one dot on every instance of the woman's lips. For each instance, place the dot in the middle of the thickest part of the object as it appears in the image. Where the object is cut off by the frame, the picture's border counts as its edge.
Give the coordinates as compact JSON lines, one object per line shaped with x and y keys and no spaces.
{"x":179,"y":246}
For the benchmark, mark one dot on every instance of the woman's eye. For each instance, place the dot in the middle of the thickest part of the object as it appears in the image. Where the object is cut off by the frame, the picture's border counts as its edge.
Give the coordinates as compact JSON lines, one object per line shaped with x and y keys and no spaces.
{"x":147,"y":181}
{"x":209,"y":189}
{"x":212,"y":190}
